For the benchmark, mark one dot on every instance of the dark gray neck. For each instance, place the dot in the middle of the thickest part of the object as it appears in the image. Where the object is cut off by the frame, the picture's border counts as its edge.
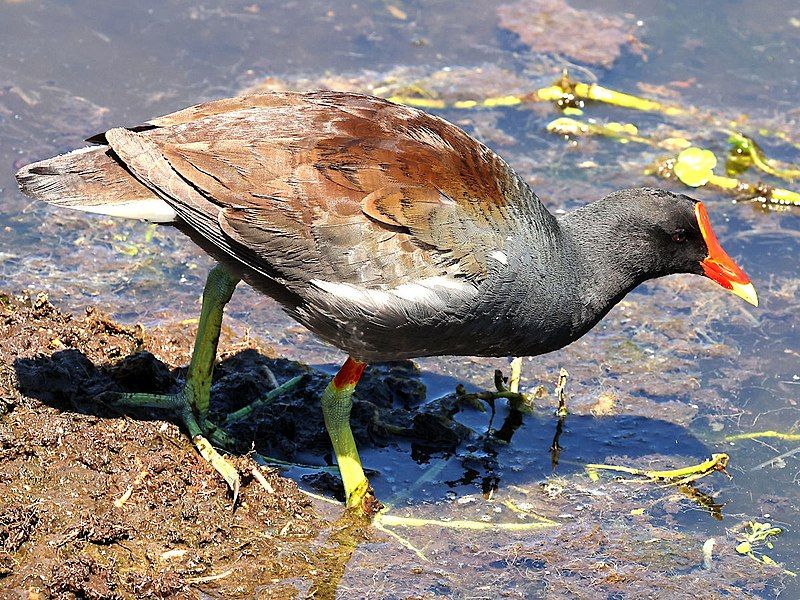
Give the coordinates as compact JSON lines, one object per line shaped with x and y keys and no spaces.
{"x":567,"y":275}
{"x":604,"y":271}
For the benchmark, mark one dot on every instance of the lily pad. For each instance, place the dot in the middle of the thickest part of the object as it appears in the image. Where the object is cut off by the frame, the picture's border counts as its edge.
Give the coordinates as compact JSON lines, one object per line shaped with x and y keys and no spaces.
{"x":695,"y":166}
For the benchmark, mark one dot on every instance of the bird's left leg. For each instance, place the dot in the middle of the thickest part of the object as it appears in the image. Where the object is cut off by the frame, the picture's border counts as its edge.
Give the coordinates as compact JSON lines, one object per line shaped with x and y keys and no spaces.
{"x":190,"y":405}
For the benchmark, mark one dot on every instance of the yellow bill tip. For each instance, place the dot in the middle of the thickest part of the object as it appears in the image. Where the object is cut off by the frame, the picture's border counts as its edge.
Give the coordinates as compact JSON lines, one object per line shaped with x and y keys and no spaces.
{"x":745,"y":291}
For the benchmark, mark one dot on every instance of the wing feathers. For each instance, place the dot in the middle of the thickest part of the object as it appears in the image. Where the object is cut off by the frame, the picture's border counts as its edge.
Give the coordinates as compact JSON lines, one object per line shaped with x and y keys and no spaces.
{"x":92,"y":180}
{"x":364,"y":191}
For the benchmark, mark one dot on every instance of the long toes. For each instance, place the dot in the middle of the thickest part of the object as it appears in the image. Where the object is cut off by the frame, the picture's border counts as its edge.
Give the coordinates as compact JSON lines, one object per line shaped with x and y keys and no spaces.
{"x":229,"y":473}
{"x":108,"y":397}
{"x":220,"y":438}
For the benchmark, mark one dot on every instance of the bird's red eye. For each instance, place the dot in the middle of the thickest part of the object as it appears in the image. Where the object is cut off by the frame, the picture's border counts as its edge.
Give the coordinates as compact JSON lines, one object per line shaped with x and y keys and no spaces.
{"x":679,"y":236}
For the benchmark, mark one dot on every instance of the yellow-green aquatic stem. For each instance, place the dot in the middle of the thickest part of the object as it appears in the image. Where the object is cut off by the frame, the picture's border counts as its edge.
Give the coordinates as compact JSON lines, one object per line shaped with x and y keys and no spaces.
{"x":725,"y":183}
{"x":694,"y":167}
{"x":437,"y":103}
{"x":524,"y":402}
{"x":784,"y":196}
{"x":400,"y":539}
{"x":598,"y":93}
{"x":336,"y":405}
{"x":717,"y":462}
{"x":567,"y":93}
{"x":622,"y":132}
{"x":218,"y":290}
{"x":568,"y":90}
{"x":516,"y":375}
{"x":388,"y":520}
{"x":561,"y":394}
{"x":773,"y":195}
{"x":747,"y":146}
{"x":383,"y":521}
{"x":754,"y":435}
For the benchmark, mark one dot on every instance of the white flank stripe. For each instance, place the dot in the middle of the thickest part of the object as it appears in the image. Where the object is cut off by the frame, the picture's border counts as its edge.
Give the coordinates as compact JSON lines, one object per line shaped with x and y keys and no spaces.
{"x":154,"y":210}
{"x":416,"y":292}
{"x":342,"y":290}
{"x":421,"y":292}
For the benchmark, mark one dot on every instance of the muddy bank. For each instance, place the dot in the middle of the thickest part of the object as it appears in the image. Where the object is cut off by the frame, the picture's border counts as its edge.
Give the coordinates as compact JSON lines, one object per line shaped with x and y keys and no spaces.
{"x":97,"y":504}
{"x":103,"y":503}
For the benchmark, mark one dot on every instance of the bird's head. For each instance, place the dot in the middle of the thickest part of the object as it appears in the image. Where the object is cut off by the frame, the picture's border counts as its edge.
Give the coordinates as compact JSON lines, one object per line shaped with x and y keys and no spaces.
{"x":676,"y":236}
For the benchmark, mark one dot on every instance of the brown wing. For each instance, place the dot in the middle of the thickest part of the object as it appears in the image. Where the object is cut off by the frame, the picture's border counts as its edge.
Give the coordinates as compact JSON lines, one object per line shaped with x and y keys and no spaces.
{"x":334,"y":186}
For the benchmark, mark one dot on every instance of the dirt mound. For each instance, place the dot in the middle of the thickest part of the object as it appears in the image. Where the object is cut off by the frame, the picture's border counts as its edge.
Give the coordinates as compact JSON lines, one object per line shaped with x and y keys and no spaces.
{"x":96,"y":504}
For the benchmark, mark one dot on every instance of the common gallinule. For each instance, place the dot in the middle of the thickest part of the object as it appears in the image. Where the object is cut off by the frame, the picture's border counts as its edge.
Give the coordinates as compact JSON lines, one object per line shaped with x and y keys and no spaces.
{"x":387,"y":231}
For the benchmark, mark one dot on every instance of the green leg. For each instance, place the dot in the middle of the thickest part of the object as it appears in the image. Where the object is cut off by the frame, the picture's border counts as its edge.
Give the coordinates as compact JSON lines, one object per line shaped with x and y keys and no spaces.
{"x":217,"y":293}
{"x":190,"y":405}
{"x":337,"y":400}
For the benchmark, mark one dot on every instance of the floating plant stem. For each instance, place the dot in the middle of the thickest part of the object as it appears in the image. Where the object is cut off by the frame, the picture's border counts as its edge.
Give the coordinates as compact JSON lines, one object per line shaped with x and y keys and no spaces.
{"x":621,"y":132}
{"x":741,"y":144}
{"x":566,"y":91}
{"x":571,"y":96}
{"x":754,"y":435}
{"x":694,"y":167}
{"x":560,"y":393}
{"x":516,"y":375}
{"x":683,"y":475}
{"x":438,"y":103}
{"x":396,"y":521}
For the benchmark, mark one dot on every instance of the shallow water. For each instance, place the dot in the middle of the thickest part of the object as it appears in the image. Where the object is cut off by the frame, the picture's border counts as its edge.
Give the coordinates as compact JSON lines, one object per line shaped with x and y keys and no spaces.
{"x":687,"y":364}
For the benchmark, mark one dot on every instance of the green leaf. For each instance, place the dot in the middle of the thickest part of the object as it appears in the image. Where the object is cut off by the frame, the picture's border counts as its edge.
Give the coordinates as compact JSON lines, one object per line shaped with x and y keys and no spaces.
{"x":744,"y":548}
{"x":695,"y":166}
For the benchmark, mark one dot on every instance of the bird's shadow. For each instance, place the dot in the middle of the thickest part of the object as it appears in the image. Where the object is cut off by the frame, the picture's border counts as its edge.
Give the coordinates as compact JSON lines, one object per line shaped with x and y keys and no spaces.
{"x":393,"y":421}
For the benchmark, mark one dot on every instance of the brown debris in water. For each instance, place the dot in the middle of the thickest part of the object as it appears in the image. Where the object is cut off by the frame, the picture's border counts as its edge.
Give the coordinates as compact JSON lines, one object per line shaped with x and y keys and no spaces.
{"x":554,"y":26}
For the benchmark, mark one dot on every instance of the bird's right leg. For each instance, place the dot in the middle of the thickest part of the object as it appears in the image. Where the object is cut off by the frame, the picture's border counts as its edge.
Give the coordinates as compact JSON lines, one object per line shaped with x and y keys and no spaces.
{"x":337,"y":401}
{"x":190,"y":405}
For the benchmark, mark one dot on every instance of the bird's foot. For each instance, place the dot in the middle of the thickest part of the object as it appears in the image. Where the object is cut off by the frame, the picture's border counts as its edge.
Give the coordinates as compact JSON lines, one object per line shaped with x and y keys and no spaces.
{"x":248,"y":410}
{"x":362,"y":499}
{"x":516,"y":399}
{"x":200,"y":430}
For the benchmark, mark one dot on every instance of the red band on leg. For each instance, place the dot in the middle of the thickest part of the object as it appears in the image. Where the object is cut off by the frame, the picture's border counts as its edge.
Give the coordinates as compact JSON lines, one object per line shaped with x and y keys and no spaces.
{"x":349,"y":374}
